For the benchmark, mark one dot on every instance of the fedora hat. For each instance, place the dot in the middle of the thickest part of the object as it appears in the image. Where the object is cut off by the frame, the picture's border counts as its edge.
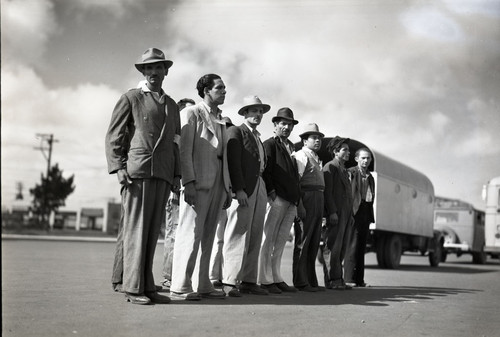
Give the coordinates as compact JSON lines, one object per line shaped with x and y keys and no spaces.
{"x":285,"y":113}
{"x":152,"y":55}
{"x":311,"y":129}
{"x":253,"y":101}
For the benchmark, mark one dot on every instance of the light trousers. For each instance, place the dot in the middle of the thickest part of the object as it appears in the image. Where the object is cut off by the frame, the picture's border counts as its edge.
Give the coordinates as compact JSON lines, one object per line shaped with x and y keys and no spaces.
{"x":197,"y":225}
{"x":171,"y":223}
{"x":243,"y":237}
{"x":279,"y":219}
{"x":216,"y":260}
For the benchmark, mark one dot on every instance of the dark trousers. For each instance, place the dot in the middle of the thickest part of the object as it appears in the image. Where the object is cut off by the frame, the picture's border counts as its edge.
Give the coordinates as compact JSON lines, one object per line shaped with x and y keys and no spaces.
{"x":354,"y":263}
{"x":143,"y":212}
{"x":307,"y":238}
{"x":336,"y":237}
{"x":117,"y":276}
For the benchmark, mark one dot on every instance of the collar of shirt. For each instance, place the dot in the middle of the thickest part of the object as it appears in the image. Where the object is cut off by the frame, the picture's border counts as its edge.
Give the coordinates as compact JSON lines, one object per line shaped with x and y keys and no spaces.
{"x":144,"y":86}
{"x":254,"y":131}
{"x":311,"y":152}
{"x":217,"y":113}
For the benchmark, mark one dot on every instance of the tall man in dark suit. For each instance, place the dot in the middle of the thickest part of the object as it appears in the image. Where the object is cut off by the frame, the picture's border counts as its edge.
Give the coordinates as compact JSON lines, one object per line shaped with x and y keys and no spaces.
{"x":142,"y":149}
{"x":243,"y":235}
{"x":283,"y":193}
{"x":363,"y":192}
{"x":339,"y":220}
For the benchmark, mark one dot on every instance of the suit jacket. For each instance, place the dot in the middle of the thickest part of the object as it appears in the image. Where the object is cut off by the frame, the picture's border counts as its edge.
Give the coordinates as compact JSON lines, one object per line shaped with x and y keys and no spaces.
{"x":243,"y":159}
{"x":356,"y":190}
{"x":199,"y":157}
{"x":338,"y":191}
{"x":142,"y":139}
{"x":281,"y":173}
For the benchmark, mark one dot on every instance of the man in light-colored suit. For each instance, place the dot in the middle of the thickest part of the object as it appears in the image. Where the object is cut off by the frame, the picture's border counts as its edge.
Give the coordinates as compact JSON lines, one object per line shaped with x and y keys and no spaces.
{"x":243,"y":235}
{"x":206,"y":191}
{"x":142,"y":149}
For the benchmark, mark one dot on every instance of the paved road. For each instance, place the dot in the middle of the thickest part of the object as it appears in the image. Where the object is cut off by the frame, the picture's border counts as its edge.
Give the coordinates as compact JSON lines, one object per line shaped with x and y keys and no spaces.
{"x":62,"y":288}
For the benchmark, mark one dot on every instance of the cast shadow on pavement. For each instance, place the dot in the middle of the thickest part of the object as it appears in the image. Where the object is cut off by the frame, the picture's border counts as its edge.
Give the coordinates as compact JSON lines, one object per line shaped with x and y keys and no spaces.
{"x":369,"y":296}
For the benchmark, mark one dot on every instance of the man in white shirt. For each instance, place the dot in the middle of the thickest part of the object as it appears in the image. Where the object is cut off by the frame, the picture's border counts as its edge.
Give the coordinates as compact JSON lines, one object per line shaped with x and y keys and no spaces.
{"x":310,"y":210}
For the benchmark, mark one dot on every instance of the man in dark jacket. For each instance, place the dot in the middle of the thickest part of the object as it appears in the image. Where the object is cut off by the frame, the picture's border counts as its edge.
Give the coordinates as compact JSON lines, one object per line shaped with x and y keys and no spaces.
{"x":142,"y":149}
{"x":283,"y":193}
{"x":243,"y":234}
{"x":363,"y":192}
{"x":338,"y":206}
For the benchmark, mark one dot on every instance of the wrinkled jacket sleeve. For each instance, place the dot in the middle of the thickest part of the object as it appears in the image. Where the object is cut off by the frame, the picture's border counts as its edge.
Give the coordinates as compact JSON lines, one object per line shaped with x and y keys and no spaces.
{"x":330,"y":172}
{"x":270,"y":150}
{"x":117,"y":137}
{"x":234,"y":157}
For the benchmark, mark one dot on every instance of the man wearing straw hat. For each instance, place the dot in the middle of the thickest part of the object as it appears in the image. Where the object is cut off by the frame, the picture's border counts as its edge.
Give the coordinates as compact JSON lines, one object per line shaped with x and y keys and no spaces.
{"x":142,"y":149}
{"x":243,"y":235}
{"x":283,"y":193}
{"x":308,"y":230}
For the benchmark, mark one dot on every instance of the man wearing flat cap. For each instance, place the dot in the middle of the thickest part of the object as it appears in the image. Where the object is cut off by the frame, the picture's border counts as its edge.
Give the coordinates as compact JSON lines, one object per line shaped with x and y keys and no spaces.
{"x":308,"y":230}
{"x":283,"y":194}
{"x":243,"y":235}
{"x":339,"y":213}
{"x":142,"y":149}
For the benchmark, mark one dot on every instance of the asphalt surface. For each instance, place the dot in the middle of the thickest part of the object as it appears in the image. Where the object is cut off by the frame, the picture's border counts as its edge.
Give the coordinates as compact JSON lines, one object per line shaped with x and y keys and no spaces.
{"x":62,"y":288}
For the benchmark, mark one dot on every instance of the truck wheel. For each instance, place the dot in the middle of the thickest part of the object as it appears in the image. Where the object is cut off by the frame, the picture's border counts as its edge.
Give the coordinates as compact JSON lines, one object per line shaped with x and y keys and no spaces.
{"x":436,"y":256}
{"x":479,"y":257}
{"x":380,"y":247}
{"x":393,"y":251}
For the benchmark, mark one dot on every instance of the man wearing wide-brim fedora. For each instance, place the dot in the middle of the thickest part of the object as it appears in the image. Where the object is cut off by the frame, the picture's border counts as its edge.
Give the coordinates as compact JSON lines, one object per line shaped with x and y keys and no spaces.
{"x":308,"y":232}
{"x":243,"y":233}
{"x":142,"y":149}
{"x":283,"y":192}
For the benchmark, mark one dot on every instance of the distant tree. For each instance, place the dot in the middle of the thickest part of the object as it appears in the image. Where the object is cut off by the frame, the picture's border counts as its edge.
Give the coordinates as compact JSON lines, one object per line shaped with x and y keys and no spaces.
{"x":51,"y":193}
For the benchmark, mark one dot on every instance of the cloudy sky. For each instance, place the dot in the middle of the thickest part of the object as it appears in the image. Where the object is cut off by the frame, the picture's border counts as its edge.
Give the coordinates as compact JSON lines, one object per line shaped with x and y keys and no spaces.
{"x":415,"y":80}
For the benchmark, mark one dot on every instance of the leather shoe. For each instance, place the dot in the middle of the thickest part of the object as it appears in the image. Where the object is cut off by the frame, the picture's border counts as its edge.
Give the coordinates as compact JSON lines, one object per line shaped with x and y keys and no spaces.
{"x":308,"y":289}
{"x":215,"y":294}
{"x":118,"y":287}
{"x":252,"y":288}
{"x":157,"y":298}
{"x":271,"y":288}
{"x":137,"y":299}
{"x":231,"y":291}
{"x":185,"y":296}
{"x":217,"y":284}
{"x":286,"y":288}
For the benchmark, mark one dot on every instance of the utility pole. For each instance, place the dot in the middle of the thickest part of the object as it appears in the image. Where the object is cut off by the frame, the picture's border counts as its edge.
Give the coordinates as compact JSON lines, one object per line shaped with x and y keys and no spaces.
{"x":49,"y":138}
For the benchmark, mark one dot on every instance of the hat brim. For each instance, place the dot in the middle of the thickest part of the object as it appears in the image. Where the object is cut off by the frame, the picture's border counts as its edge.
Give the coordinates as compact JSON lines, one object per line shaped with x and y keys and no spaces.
{"x":311,"y":133}
{"x":266,"y":107}
{"x":139,"y":66}
{"x":277,"y":118}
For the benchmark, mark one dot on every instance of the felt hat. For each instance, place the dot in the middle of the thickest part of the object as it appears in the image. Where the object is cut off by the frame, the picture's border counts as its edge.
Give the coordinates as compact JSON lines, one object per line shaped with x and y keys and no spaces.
{"x":285,"y":113}
{"x":253,"y":101}
{"x":311,"y":129}
{"x":152,"y":55}
{"x":336,"y":142}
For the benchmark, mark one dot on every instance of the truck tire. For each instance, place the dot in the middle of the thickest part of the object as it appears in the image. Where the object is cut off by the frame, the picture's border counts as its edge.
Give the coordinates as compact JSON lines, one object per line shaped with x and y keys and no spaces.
{"x":393,"y":251}
{"x":380,"y":247}
{"x":436,"y":255}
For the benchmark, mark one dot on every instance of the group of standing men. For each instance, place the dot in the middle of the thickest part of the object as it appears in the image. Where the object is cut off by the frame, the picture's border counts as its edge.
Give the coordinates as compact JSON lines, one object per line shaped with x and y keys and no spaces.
{"x":246,"y":192}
